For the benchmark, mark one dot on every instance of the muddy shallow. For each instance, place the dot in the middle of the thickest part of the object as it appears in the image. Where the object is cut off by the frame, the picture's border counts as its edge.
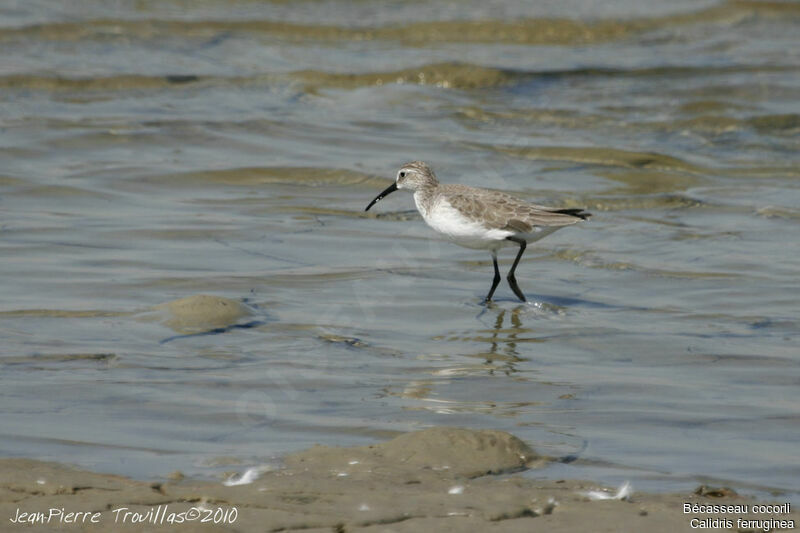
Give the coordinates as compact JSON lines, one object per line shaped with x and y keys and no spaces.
{"x":434,"y":480}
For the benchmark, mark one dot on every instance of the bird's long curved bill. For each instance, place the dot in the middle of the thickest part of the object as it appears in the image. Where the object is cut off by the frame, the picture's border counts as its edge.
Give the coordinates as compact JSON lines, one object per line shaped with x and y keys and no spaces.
{"x":389,"y":190}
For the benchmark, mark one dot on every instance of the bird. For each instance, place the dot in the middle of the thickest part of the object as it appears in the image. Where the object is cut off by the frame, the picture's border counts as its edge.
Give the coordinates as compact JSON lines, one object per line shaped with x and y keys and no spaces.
{"x":479,"y":218}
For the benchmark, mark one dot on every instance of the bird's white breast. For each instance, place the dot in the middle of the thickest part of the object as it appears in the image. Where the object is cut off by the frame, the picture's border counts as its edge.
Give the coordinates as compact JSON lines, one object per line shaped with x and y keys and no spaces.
{"x":460,"y":229}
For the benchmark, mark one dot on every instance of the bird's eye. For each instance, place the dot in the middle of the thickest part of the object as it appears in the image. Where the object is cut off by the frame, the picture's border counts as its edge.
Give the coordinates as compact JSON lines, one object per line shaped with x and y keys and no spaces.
{"x":402,"y":174}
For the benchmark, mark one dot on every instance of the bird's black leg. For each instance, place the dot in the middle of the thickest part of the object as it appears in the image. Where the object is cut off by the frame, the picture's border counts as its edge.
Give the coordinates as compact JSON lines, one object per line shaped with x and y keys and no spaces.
{"x":495,"y":281}
{"x":512,"y":281}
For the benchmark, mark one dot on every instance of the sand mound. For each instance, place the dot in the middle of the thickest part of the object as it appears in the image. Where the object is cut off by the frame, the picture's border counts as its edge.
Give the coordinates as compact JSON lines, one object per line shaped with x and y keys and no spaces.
{"x":201,"y":312}
{"x":453,"y":452}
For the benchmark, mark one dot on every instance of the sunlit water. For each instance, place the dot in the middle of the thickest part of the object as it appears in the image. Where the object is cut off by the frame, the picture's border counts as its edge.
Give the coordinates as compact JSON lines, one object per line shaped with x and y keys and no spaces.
{"x":178,"y":148}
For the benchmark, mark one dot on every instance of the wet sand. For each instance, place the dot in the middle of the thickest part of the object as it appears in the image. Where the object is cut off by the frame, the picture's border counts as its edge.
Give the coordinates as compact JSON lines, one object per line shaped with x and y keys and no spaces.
{"x":439,"y":479}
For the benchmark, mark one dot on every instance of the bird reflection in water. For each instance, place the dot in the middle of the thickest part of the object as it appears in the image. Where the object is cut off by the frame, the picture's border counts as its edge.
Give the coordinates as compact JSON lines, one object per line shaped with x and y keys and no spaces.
{"x":497,"y":346}
{"x":503,"y":355}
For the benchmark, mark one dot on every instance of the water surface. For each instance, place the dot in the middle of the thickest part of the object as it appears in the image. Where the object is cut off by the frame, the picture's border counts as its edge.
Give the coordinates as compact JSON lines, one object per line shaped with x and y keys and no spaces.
{"x":167,"y":149}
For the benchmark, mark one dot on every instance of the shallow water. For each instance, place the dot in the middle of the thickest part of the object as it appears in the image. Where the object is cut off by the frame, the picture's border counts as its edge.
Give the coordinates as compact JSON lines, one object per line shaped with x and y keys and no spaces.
{"x":170,"y":149}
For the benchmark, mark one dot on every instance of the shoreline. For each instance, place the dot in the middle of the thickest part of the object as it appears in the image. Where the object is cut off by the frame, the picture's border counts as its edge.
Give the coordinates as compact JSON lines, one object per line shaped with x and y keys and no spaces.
{"x":431,"y":480}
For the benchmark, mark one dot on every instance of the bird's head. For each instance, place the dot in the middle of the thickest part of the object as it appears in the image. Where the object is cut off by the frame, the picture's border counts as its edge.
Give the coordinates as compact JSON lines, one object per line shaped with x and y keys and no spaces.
{"x":412,"y":177}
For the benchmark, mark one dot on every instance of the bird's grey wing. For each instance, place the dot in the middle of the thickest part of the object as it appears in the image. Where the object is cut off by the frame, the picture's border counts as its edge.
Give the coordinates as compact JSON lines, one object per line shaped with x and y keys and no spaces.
{"x":498,"y":210}
{"x":537,"y":215}
{"x":518,"y":226}
{"x":493,"y":210}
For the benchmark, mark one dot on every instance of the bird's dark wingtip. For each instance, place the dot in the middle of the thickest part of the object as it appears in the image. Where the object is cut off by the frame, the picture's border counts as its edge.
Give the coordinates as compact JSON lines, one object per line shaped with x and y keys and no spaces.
{"x":575,"y":212}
